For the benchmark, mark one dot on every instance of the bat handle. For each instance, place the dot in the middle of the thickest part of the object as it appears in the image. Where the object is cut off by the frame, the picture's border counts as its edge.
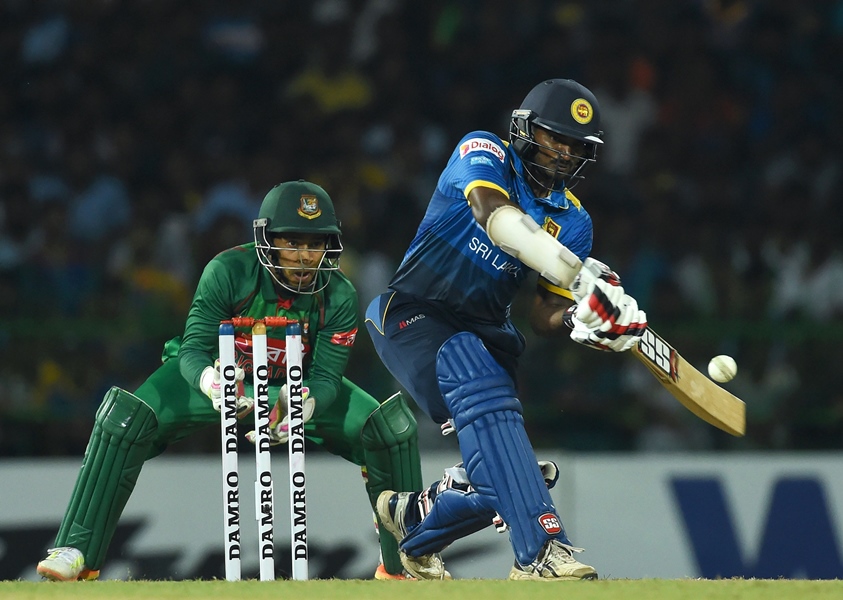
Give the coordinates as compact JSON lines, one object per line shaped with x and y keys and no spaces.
{"x":568,"y":316}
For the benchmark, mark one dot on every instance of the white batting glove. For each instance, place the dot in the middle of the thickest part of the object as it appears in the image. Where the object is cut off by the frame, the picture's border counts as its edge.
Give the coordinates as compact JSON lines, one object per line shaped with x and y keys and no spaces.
{"x":601,"y":305}
{"x":592,"y":270}
{"x":550,"y":472}
{"x":612,"y":335}
{"x":279,"y":422}
{"x":605,"y":317}
{"x":209,"y":383}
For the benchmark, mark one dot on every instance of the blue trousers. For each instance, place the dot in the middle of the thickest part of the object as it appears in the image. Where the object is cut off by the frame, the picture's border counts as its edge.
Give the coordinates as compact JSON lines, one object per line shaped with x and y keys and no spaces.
{"x":407,"y":334}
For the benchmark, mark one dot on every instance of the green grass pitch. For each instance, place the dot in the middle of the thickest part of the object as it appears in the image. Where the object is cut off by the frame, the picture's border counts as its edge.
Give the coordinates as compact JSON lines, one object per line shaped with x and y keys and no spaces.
{"x":626,"y":589}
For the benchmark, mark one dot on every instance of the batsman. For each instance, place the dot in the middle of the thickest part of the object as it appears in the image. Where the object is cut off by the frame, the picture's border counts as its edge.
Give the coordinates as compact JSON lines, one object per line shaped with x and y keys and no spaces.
{"x":501,"y":213}
{"x":290,"y":270}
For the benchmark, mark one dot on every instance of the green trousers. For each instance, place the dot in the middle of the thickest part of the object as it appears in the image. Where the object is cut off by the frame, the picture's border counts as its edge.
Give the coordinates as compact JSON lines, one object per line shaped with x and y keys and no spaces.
{"x":132,"y":428}
{"x":182,"y":410}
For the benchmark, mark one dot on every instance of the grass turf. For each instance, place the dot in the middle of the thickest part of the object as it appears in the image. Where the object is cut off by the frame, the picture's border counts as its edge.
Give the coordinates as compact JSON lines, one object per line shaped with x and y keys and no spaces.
{"x":627,"y":589}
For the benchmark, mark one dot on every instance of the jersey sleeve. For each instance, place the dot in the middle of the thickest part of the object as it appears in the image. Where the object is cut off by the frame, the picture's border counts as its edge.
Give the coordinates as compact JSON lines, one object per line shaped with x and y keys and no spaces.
{"x":200,"y":341}
{"x":333,"y":343}
{"x":479,"y":160}
{"x":578,"y":238}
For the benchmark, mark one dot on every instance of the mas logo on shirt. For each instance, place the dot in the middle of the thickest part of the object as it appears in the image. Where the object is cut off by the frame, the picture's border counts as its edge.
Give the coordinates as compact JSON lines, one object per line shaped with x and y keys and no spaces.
{"x":407,"y":322}
{"x":551,"y":227}
{"x":344,"y":338}
{"x":482,"y":145}
{"x":309,"y":207}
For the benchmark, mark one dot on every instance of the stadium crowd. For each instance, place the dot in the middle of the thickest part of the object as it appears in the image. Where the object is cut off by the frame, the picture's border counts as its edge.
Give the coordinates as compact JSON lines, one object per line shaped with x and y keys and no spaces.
{"x":138,"y":138}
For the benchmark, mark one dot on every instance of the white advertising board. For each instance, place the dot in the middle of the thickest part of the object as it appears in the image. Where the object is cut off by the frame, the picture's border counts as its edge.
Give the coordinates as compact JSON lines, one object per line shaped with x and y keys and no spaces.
{"x":637,"y":515}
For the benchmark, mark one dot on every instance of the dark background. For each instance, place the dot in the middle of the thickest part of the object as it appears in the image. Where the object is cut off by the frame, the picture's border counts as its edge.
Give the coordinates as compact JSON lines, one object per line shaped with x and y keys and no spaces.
{"x":137,"y":139}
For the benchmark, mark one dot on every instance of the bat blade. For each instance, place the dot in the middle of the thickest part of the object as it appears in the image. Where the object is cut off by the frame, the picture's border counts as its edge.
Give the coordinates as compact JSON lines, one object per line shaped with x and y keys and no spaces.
{"x":692,"y":389}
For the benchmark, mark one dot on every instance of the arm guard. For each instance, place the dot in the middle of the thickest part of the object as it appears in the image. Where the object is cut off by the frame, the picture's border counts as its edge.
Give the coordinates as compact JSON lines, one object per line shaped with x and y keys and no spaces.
{"x":514,"y":232}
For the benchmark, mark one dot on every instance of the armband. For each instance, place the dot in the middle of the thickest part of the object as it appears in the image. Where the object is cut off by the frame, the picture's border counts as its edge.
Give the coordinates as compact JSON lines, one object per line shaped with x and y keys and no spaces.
{"x":517,"y":234}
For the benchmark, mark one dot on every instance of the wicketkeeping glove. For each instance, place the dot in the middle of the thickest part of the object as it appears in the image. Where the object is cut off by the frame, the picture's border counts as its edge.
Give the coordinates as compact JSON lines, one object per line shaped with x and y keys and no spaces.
{"x":279,"y":429}
{"x":209,"y":383}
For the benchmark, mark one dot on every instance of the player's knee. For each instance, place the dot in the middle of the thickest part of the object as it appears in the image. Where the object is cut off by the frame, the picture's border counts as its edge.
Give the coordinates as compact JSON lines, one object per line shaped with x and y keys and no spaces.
{"x":392,"y":423}
{"x":471,"y":380}
{"x":123,"y":415}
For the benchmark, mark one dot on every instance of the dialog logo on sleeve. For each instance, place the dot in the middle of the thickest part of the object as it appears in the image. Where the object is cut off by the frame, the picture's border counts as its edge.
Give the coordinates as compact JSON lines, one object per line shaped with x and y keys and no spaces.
{"x":482,"y":145}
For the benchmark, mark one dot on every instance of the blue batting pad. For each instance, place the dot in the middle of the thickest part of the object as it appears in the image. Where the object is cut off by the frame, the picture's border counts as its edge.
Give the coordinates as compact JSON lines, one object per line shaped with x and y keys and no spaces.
{"x":496,"y":452}
{"x":454,"y":514}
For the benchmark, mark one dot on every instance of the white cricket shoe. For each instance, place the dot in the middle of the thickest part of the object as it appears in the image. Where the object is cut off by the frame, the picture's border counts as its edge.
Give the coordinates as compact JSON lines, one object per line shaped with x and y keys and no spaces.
{"x":391,"y":507}
{"x":64,"y":564}
{"x":555,"y":562}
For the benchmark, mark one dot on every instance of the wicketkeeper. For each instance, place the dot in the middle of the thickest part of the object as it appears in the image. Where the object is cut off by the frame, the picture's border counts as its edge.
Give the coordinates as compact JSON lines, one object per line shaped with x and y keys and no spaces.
{"x":290,"y":270}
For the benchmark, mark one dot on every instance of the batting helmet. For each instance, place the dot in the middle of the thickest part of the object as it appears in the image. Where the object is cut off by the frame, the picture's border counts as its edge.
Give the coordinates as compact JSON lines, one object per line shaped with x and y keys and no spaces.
{"x":561,"y":106}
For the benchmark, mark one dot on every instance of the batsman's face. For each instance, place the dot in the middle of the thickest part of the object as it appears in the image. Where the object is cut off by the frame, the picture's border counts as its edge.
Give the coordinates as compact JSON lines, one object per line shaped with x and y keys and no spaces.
{"x":299,"y":256}
{"x":557,"y":155}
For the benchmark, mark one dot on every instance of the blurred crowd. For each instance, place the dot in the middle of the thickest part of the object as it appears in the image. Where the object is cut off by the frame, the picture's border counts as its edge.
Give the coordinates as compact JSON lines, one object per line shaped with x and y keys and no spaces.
{"x":138,"y":138}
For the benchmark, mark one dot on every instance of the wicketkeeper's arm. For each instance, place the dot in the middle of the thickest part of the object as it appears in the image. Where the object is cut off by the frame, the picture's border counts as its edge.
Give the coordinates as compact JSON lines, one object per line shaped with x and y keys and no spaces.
{"x":200,"y":340}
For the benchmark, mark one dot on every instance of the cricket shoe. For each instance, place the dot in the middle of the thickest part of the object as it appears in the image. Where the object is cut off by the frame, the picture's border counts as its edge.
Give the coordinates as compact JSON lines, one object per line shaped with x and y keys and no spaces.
{"x":381,"y":574}
{"x":555,"y":562}
{"x":65,"y":564}
{"x":392,"y":508}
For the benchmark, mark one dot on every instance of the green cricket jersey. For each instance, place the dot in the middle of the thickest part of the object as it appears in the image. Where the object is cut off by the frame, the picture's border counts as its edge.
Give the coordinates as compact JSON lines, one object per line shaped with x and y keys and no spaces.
{"x":235,"y":284}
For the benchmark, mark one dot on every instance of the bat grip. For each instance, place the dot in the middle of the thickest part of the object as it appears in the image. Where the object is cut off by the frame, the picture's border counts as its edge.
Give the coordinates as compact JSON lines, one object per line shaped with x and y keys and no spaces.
{"x":568,"y":316}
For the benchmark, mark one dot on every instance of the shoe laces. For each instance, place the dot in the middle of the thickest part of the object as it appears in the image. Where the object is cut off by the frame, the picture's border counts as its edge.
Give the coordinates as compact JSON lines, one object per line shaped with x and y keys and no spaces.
{"x":72,"y":555}
{"x":564,"y":551}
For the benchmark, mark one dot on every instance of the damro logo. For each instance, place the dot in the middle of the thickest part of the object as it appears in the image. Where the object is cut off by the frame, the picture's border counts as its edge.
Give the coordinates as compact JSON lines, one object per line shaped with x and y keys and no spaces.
{"x":482,"y":145}
{"x":410,"y":321}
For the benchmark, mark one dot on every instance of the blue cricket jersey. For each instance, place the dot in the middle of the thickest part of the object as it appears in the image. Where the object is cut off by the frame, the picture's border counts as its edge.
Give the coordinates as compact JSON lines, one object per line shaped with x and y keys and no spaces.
{"x":451,"y":262}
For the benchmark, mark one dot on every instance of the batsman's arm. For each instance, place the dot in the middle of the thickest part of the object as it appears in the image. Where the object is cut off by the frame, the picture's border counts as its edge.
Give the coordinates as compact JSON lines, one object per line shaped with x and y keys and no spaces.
{"x":517,"y":234}
{"x":549,"y":306}
{"x":484,"y":200}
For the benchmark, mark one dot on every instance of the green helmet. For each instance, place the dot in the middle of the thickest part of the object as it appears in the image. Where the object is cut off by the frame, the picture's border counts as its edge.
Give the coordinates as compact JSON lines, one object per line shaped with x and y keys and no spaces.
{"x":298,"y":207}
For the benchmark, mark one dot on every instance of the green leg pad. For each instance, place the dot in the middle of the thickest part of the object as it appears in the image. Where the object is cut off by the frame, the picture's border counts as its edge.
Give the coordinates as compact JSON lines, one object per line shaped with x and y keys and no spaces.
{"x":391,"y":449}
{"x":124,"y":428}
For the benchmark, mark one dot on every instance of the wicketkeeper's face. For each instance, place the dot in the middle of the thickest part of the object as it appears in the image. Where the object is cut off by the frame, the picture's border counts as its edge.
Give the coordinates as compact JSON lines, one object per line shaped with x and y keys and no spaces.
{"x":299,"y":256}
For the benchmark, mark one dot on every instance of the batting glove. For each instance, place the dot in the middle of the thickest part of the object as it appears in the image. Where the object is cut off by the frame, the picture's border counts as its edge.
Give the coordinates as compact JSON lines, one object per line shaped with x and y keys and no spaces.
{"x":209,"y":383}
{"x":592,"y":270}
{"x":550,"y":472}
{"x":279,"y":422}
{"x":618,"y":334}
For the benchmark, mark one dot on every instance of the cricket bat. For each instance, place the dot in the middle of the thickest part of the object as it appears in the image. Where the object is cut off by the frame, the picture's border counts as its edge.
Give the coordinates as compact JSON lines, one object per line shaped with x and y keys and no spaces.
{"x":695,"y":391}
